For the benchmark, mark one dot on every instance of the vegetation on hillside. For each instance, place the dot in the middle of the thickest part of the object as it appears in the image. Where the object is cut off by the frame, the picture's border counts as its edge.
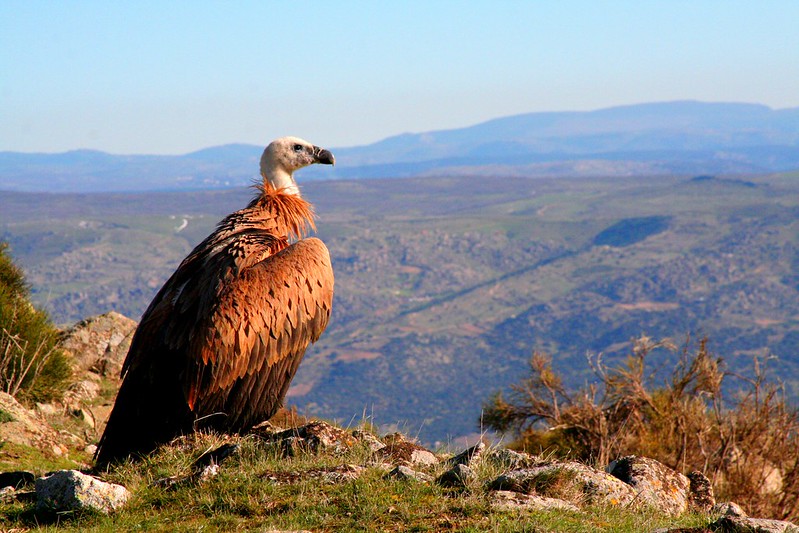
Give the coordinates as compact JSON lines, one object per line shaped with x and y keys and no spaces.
{"x":745,"y":438}
{"x":32,"y":367}
{"x":444,"y":285}
{"x":261,"y":489}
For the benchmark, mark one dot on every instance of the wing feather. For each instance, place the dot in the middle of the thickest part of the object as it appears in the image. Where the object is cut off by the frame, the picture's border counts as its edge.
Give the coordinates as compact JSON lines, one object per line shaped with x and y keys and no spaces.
{"x":277,"y":316}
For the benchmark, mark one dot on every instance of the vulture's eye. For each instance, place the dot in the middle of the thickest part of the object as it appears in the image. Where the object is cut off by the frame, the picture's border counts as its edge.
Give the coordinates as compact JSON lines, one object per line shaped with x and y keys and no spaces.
{"x":298,"y":148}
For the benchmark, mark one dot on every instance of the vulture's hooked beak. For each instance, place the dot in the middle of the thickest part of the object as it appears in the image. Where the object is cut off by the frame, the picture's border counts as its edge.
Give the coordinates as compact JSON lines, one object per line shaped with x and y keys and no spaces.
{"x":323,"y":156}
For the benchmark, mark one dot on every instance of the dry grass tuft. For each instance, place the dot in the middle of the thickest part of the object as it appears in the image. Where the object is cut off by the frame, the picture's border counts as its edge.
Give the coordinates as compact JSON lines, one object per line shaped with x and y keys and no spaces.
{"x":745,"y":442}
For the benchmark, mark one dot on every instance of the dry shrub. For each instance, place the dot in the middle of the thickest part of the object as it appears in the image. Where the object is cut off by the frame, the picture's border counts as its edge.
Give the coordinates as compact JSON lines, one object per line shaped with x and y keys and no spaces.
{"x":31,"y":365}
{"x":747,"y":444}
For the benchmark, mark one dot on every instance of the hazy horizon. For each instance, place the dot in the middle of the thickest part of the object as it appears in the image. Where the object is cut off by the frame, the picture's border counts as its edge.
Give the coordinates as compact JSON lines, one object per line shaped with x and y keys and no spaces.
{"x":155,"y":78}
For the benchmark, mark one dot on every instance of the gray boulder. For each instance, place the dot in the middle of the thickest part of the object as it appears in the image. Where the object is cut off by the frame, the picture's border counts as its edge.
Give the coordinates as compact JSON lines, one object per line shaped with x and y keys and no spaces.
{"x":503,"y":457}
{"x":401,"y":451}
{"x":70,"y":490}
{"x":570,"y":481}
{"x":742,"y":524}
{"x":405,"y":473}
{"x":314,"y":437}
{"x":655,"y":484}
{"x":506,"y":500}
{"x":728,"y":509}
{"x":99,"y":343}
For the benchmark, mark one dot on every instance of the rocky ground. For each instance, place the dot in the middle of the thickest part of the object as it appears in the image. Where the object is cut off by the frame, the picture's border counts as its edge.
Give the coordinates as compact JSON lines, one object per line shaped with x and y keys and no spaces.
{"x":67,"y":431}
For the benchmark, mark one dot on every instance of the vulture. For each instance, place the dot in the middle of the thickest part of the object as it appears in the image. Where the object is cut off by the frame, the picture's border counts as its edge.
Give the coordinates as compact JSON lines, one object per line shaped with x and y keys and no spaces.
{"x":221,"y":341}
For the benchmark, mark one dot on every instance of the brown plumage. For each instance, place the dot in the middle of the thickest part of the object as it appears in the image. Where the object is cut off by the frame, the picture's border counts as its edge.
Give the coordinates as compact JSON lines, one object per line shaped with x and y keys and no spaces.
{"x":220,"y":342}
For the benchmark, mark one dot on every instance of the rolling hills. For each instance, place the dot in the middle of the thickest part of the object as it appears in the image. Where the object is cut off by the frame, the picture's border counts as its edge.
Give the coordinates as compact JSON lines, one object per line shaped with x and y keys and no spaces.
{"x":645,"y":139}
{"x":445,"y":285}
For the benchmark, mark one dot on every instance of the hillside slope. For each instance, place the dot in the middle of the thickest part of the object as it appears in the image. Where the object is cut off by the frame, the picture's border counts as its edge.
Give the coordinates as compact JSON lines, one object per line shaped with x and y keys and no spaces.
{"x":445,"y":286}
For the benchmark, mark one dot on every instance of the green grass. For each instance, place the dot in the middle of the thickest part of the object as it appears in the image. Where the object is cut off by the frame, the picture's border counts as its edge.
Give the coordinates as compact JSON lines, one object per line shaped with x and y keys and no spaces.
{"x":260,"y":490}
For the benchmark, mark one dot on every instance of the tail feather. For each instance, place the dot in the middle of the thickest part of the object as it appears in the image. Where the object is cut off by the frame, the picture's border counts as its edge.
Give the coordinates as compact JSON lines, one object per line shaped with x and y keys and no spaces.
{"x":145,"y":415}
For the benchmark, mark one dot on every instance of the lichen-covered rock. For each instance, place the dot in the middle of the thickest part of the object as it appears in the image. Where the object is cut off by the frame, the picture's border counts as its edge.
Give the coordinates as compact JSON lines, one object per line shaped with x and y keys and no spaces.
{"x":457,"y":476}
{"x":571,"y":481}
{"x":700,"y":497}
{"x":510,"y":459}
{"x":506,"y":500}
{"x":341,"y":473}
{"x":403,"y":472}
{"x":83,"y":391}
{"x":99,"y":343}
{"x":331,"y":475}
{"x":655,"y":484}
{"x":469,"y":456}
{"x":728,"y":509}
{"x":739,"y":524}
{"x":315,"y":437}
{"x":70,"y":490}
{"x":401,"y":451}
{"x":28,"y":428}
{"x":368,"y":440}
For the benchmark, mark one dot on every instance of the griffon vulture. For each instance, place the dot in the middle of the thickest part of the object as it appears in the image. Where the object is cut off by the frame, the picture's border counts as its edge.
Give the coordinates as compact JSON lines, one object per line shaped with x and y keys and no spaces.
{"x":222,"y":339}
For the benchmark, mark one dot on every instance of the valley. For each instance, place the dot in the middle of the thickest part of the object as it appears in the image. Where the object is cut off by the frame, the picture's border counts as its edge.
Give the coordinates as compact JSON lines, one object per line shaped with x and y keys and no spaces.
{"x":445,"y":285}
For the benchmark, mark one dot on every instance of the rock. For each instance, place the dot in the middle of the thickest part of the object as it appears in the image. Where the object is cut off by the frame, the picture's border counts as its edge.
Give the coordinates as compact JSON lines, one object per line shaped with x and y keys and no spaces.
{"x":99,"y":343}
{"x":81,"y":393}
{"x":46,"y":409}
{"x":469,"y":456}
{"x":505,"y":500}
{"x":728,"y":509}
{"x":510,"y":459}
{"x":207,"y":472}
{"x":203,"y":468}
{"x":738,"y":524}
{"x":405,"y":473}
{"x":456,"y":477}
{"x":399,"y":450}
{"x":16,"y":479}
{"x":216,"y":456}
{"x":70,"y":490}
{"x":84,"y":415}
{"x":207,"y":465}
{"x":339,"y":474}
{"x":331,"y":475}
{"x":700,"y":497}
{"x":570,"y":481}
{"x":656,"y":484}
{"x":28,"y":428}
{"x":286,"y":531}
{"x":315,"y":437}
{"x":369,"y":440}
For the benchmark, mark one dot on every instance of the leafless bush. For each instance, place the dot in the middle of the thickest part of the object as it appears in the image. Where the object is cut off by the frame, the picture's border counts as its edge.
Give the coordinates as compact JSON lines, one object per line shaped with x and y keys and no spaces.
{"x":748,"y":445}
{"x":31,"y":365}
{"x":20,"y":366}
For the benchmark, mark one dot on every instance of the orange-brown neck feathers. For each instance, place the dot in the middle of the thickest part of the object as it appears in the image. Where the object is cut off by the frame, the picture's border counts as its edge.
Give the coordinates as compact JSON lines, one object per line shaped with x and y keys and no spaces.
{"x":291,"y":209}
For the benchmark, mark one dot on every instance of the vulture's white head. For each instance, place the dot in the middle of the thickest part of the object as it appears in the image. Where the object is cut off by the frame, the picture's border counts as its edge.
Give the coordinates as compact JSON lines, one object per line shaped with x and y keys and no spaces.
{"x":287,"y":154}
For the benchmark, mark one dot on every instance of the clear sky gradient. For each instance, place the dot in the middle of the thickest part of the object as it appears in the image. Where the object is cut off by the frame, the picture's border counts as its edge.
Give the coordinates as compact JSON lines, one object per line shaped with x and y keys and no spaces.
{"x":170,"y":77}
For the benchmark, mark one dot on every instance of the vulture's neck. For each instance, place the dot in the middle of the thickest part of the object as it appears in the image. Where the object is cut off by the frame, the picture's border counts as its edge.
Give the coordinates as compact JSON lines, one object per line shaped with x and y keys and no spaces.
{"x":292,"y":214}
{"x":279,"y":178}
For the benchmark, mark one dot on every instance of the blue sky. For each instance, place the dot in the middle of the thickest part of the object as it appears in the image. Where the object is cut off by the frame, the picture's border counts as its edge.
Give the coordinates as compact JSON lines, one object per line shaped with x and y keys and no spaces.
{"x":171,"y":77}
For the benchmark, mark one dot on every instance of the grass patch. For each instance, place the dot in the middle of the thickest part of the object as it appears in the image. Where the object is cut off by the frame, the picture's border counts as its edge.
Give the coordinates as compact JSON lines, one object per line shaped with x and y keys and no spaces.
{"x":15,"y":456}
{"x":5,"y":416}
{"x":259,"y":489}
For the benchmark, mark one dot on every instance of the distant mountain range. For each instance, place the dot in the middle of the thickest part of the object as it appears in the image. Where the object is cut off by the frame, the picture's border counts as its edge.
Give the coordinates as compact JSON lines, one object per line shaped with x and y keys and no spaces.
{"x":683,"y":137}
